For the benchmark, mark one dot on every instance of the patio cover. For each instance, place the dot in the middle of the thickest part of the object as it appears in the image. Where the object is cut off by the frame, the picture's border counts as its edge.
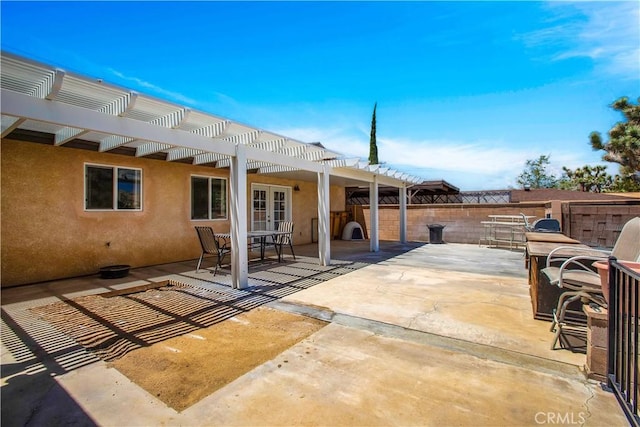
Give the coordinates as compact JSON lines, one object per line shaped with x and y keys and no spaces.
{"x":41,"y":99}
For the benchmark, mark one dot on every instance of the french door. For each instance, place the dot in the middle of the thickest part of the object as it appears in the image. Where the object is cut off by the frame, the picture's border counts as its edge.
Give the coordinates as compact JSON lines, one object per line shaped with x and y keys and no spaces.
{"x":270,"y":204}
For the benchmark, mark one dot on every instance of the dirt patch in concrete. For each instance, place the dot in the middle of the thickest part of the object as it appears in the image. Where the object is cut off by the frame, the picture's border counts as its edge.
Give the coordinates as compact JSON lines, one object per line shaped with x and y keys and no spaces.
{"x":181,"y":342}
{"x":114,"y":325}
{"x":183,"y":370}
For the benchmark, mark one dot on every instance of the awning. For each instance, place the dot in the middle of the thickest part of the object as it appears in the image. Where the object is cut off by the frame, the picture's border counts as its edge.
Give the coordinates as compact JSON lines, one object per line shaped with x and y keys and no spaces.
{"x":76,"y":110}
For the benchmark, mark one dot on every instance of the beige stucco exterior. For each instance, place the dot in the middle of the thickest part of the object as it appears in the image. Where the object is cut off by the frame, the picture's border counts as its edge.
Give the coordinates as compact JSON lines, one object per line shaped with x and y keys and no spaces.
{"x":47,"y":234}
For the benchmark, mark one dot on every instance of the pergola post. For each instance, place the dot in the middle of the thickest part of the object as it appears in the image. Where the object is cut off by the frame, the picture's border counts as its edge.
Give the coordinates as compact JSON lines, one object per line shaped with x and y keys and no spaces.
{"x":324,"y":232}
{"x":239,"y":254}
{"x":374,"y":243}
{"x":403,"y":214}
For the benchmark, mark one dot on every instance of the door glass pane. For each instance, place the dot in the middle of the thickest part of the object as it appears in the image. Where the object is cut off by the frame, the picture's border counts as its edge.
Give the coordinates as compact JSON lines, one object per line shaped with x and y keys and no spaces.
{"x":279,"y":207}
{"x":259,"y":209}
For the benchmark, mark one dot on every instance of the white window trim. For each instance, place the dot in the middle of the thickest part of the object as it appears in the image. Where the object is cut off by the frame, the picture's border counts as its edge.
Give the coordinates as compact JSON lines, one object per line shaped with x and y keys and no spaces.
{"x":209,"y":178}
{"x":115,"y":184}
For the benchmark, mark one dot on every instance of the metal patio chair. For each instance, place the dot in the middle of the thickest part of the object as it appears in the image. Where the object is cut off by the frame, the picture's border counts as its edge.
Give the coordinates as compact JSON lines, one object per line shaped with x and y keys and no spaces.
{"x":576,"y":275}
{"x":212,"y":245}
{"x":286,"y":238}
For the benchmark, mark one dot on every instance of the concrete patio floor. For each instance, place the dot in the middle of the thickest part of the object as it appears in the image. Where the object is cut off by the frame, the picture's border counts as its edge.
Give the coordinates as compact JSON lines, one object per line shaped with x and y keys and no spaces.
{"x":419,"y":335}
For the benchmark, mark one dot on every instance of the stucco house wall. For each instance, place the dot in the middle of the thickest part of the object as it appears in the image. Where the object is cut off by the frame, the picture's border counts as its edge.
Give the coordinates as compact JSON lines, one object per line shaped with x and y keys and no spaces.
{"x":46,"y":233}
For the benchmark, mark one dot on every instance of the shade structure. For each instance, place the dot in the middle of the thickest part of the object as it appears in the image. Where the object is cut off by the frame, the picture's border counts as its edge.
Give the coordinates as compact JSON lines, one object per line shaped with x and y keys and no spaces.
{"x":41,"y":101}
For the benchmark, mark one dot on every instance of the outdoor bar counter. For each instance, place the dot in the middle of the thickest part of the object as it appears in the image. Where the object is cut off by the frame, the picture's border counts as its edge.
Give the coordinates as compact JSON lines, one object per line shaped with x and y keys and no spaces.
{"x":544,"y":296}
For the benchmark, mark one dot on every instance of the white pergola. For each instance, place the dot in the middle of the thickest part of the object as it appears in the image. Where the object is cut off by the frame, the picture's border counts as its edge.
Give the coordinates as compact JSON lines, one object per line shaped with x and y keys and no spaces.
{"x":45,"y":99}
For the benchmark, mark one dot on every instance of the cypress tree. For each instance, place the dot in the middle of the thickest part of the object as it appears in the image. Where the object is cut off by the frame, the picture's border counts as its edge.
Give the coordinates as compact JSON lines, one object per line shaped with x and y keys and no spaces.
{"x":373,"y":147}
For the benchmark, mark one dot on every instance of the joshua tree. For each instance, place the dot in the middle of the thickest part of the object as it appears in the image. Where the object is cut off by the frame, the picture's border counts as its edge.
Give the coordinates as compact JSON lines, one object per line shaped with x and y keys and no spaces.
{"x":587,"y":178}
{"x":623,"y":146}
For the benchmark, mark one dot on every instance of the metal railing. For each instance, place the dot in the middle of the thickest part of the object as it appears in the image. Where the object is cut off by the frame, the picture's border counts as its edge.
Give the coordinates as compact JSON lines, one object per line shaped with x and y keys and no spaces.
{"x":622,"y":371}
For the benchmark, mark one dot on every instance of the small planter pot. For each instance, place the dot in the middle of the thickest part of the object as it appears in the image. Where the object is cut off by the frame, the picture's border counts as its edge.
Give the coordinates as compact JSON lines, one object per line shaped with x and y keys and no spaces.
{"x":635,"y":266}
{"x":603,"y":271}
{"x":114,"y":271}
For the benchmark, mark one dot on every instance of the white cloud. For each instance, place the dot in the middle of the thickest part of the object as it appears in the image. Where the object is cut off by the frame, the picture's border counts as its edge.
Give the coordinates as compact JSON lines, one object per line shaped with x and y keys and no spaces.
{"x":176,"y":96}
{"x":469,"y":157}
{"x":606,"y":32}
{"x":469,"y":165}
{"x":476,"y":165}
{"x":450,"y":160}
{"x":334,"y":139}
{"x":474,"y":157}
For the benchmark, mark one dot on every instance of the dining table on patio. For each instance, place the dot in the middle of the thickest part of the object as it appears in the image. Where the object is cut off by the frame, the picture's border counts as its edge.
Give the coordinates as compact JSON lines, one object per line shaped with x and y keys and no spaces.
{"x":262,"y":236}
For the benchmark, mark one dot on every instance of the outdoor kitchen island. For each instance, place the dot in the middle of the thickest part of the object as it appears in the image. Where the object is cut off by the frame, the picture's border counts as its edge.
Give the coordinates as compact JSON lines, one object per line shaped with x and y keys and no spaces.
{"x":544,"y":296}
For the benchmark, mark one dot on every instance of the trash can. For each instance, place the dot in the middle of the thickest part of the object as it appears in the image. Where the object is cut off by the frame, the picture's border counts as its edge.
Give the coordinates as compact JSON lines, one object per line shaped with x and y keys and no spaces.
{"x":435,"y":233}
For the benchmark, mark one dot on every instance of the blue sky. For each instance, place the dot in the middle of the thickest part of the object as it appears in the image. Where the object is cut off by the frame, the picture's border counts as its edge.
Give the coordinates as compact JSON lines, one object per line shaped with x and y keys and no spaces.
{"x":466,"y":91}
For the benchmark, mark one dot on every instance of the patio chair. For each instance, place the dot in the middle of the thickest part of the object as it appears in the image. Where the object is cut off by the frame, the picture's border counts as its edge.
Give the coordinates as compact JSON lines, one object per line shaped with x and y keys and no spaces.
{"x":285,"y":239}
{"x":525,"y":220}
{"x":576,"y":275}
{"x":212,"y":245}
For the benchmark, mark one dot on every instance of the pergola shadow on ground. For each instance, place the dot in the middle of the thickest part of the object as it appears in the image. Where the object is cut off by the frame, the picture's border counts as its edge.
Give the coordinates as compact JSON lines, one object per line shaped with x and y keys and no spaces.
{"x":112,"y":324}
{"x":34,"y":315}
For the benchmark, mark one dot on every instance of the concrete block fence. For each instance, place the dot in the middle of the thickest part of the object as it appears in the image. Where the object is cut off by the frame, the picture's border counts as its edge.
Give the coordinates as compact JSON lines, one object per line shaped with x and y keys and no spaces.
{"x":597,"y":223}
{"x":593,"y":223}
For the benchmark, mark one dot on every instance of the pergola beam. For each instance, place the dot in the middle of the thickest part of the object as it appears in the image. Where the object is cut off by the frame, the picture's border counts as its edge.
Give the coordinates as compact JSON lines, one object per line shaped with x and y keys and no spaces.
{"x":282,"y":160}
{"x":368,"y":177}
{"x":50,"y":86}
{"x":9,"y":124}
{"x":28,"y":107}
{"x":67,"y":134}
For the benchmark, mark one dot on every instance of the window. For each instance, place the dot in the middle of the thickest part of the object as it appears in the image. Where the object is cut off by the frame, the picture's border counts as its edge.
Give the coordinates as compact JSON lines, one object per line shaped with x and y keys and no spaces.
{"x":208,"y":198}
{"x":112,"y":188}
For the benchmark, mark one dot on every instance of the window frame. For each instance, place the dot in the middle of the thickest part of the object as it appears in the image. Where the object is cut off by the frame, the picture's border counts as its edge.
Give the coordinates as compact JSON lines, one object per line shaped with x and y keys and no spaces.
{"x":209,"y":179}
{"x":114,"y":202}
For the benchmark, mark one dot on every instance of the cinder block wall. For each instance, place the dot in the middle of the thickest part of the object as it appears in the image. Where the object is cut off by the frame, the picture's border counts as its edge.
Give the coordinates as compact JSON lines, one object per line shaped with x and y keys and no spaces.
{"x":598,"y":223}
{"x":593,"y":223}
{"x":462,"y":221}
